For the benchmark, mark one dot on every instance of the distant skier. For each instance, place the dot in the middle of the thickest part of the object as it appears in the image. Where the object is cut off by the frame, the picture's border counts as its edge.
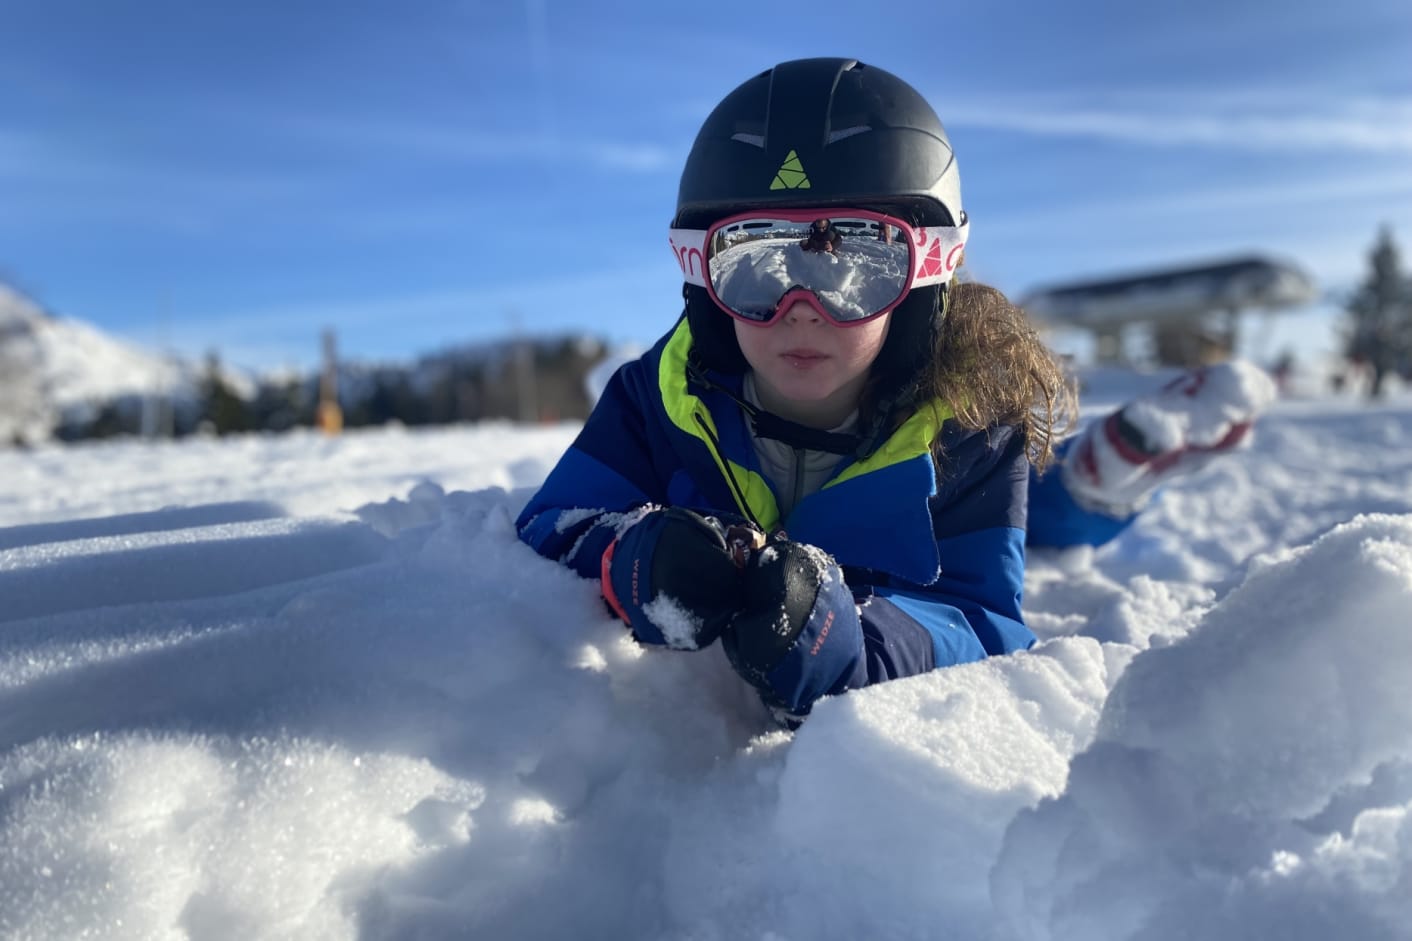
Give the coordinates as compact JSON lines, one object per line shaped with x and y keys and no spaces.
{"x":839,"y":493}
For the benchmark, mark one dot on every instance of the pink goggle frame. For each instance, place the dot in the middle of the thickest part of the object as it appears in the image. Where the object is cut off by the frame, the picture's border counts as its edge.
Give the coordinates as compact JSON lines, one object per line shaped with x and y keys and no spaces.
{"x":851,"y":265}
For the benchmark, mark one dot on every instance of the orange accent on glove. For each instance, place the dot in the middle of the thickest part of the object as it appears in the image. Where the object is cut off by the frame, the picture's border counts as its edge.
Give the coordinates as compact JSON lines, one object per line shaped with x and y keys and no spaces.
{"x":606,"y":583}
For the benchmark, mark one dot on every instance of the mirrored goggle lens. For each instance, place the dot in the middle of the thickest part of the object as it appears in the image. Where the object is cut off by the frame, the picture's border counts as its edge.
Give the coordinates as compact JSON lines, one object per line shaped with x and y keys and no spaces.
{"x":855,"y":267}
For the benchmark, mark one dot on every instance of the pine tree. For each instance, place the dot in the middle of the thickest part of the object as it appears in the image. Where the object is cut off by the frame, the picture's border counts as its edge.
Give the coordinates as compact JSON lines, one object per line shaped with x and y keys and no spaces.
{"x":225,"y":410}
{"x":1380,"y":313}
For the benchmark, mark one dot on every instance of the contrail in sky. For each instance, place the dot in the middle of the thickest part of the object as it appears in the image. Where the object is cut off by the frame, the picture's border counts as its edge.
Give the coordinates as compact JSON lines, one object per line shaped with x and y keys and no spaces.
{"x":537,"y":29}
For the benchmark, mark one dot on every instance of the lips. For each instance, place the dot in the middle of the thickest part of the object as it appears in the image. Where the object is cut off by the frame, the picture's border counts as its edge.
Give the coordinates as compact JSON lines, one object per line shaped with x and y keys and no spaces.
{"x":803,"y":358}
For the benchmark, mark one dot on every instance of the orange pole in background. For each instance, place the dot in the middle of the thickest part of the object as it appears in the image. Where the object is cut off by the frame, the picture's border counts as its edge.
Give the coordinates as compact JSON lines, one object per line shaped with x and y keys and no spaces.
{"x":329,"y":416}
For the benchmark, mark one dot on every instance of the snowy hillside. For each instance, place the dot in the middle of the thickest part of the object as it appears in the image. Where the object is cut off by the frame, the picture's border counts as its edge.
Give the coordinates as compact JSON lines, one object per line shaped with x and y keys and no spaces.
{"x":301,"y":687}
{"x":78,"y":363}
{"x":57,"y":375}
{"x":56,"y":364}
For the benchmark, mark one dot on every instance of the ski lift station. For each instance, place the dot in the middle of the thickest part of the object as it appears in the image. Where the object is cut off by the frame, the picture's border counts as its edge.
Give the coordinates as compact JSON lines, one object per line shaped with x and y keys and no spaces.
{"x":1190,"y":313}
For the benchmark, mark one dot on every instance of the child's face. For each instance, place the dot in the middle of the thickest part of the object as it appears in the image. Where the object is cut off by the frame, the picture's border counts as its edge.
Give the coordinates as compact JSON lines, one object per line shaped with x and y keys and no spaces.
{"x":806,"y":368}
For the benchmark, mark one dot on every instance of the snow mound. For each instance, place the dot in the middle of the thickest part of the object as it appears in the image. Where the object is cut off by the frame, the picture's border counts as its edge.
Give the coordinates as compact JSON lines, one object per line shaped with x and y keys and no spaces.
{"x":1196,"y":812}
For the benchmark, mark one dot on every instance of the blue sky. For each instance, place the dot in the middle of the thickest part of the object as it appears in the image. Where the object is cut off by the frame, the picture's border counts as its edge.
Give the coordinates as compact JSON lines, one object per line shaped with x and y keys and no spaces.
{"x":239,"y":176}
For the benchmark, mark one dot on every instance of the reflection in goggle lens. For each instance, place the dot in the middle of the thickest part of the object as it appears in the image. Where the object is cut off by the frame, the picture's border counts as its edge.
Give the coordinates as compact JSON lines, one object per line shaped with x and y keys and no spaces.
{"x":854,"y":267}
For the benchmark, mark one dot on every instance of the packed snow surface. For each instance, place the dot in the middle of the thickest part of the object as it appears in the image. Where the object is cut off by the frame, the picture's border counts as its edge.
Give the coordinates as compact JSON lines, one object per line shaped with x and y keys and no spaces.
{"x":307,"y":687}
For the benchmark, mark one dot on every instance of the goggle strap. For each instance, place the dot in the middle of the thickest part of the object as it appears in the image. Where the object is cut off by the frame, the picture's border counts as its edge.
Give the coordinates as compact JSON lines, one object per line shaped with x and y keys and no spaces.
{"x":689,"y":245}
{"x":942,"y":250}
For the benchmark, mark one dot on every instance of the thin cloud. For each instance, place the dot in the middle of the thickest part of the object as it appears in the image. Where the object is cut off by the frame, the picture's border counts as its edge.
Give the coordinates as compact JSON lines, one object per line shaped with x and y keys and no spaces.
{"x":1328,"y":193}
{"x":287,"y":335}
{"x":640,"y":158}
{"x":474,"y":304}
{"x":34,"y":159}
{"x":1242,"y":123}
{"x":492,"y":146}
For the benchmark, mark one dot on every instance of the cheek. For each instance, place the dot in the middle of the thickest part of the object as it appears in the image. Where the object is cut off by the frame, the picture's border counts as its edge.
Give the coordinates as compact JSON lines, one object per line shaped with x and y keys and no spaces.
{"x":751,"y":340}
{"x":869,"y":339}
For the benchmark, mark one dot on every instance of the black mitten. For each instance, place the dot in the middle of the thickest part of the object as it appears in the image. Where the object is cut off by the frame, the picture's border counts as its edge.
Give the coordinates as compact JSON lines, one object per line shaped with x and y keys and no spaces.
{"x":797,"y":636}
{"x":671,"y":577}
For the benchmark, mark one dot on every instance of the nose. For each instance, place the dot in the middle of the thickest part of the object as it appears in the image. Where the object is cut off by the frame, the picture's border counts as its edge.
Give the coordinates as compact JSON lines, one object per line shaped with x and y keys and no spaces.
{"x":800,"y":312}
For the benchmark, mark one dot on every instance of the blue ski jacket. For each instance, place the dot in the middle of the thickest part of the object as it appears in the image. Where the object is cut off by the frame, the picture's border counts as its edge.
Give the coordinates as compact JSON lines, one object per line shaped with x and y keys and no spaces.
{"x":932,"y":552}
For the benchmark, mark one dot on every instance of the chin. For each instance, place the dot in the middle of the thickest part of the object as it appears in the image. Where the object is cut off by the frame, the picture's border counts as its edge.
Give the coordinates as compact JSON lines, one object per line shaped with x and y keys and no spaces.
{"x":809,"y":392}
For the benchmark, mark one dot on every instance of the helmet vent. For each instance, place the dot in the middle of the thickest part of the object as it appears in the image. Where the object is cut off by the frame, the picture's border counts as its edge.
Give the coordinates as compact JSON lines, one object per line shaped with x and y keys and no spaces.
{"x":848,"y":132}
{"x":755,"y":140}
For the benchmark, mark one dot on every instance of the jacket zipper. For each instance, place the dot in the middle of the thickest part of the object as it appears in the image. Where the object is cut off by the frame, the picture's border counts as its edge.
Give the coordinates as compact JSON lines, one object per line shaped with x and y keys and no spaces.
{"x":798,"y":479}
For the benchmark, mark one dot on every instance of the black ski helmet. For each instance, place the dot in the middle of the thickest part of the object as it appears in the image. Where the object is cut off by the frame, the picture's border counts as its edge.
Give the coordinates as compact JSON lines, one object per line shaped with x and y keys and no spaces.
{"x":817,"y":133}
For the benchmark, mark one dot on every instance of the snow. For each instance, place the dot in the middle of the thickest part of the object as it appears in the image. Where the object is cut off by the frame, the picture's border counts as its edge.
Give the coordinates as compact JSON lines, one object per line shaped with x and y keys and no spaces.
{"x":680,"y":628}
{"x":1213,"y":753}
{"x":307,"y":687}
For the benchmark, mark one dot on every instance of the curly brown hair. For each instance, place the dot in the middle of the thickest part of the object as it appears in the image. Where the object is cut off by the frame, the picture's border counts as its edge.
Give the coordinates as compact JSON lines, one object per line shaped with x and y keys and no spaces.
{"x":991,"y":368}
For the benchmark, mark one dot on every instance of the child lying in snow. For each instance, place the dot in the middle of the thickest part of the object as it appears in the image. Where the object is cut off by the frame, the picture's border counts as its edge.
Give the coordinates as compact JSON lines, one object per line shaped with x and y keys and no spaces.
{"x":838,"y":488}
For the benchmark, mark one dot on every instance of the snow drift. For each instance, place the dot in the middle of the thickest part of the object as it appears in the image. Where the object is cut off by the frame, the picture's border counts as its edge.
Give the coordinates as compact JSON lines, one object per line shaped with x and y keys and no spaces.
{"x":231,"y":709}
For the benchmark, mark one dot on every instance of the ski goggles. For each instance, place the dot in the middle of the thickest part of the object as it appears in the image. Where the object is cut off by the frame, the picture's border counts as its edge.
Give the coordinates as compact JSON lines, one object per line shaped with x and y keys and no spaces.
{"x":850,"y":265}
